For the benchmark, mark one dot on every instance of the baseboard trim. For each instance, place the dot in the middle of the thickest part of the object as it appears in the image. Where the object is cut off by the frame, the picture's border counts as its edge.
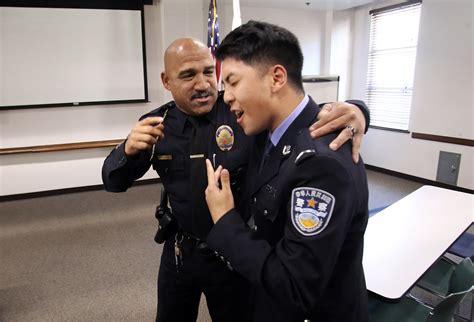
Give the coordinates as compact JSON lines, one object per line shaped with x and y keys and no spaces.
{"x":418,"y":179}
{"x":56,"y":192}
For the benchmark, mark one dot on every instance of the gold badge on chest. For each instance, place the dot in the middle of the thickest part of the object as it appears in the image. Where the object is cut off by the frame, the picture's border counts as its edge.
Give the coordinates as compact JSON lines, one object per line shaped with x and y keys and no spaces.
{"x":225,"y":137}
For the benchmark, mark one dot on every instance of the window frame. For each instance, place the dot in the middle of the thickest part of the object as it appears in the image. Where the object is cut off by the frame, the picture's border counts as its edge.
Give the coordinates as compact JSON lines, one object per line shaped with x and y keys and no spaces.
{"x":384,"y":10}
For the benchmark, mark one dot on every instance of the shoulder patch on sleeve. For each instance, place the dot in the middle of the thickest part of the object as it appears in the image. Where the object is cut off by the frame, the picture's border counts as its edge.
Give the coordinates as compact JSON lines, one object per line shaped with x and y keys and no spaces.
{"x":311,"y":210}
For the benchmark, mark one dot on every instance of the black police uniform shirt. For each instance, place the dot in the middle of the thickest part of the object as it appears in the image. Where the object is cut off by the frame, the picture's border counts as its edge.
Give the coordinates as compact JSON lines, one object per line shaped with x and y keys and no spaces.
{"x":303,"y":257}
{"x":171,"y":158}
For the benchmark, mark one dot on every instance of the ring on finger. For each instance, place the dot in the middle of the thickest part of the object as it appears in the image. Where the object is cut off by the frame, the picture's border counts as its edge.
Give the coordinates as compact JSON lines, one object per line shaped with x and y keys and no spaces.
{"x":352,"y":129}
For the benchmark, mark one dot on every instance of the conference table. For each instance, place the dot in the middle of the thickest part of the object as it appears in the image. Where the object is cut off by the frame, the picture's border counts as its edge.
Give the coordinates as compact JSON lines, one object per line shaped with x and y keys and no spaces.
{"x":403,"y":240}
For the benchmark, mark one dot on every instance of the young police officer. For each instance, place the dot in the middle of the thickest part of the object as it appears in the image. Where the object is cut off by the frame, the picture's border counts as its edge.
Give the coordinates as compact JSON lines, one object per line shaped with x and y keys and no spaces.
{"x":309,"y":204}
{"x":175,"y":139}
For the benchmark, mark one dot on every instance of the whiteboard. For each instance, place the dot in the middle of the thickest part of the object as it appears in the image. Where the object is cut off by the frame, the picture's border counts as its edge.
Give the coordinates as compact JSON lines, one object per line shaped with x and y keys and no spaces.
{"x":70,"y":56}
{"x":323,"y":89}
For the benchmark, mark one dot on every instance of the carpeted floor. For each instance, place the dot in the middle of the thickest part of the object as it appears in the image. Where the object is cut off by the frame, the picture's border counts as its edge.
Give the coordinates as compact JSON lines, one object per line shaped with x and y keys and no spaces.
{"x":79,"y":257}
{"x":90,"y":256}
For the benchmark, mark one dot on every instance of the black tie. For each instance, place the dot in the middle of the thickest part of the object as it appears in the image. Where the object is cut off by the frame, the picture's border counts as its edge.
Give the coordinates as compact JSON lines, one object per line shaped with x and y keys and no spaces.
{"x":202,"y":221}
{"x":266,"y":154}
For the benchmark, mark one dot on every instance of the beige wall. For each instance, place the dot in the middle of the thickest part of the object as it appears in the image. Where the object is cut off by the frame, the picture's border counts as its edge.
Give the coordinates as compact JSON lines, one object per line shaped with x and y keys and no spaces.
{"x":164,"y":21}
{"x":442,"y":94}
{"x":336,"y":41}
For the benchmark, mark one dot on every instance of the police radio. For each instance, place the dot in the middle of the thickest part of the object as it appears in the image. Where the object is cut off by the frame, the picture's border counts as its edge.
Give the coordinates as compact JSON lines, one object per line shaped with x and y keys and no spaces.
{"x":166,"y":221}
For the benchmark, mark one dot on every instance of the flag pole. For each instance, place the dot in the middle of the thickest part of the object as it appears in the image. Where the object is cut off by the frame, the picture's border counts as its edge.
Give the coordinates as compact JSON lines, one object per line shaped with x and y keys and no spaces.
{"x":236,"y":20}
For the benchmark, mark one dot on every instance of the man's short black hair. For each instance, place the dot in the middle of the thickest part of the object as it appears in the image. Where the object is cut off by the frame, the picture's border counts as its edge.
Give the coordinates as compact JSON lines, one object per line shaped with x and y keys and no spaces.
{"x":264,"y":43}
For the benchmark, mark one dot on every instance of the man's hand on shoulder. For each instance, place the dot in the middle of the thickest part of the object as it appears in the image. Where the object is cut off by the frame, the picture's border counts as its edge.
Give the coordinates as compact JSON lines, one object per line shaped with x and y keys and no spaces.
{"x":144,"y":135}
{"x":340,"y":115}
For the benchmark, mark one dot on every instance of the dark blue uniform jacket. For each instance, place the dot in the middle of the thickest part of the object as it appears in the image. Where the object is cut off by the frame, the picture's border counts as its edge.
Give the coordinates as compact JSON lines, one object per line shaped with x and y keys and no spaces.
{"x":171,"y":160}
{"x":310,"y":208}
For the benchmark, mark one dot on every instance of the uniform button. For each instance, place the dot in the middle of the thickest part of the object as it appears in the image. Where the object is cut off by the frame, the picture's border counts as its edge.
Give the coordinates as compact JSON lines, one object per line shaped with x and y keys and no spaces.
{"x":222,"y":258}
{"x":255,"y":228}
{"x":255,"y":200}
{"x":265,"y":212}
{"x":216,"y":253}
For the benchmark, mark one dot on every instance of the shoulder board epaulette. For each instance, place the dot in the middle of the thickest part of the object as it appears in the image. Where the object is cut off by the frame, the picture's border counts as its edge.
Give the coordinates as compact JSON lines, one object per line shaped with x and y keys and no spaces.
{"x":305,"y":146}
{"x":303,"y":155}
{"x":160,"y":111}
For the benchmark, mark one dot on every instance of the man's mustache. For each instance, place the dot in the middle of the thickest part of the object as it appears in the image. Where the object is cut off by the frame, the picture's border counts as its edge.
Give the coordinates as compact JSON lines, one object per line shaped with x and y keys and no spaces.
{"x":201,"y":94}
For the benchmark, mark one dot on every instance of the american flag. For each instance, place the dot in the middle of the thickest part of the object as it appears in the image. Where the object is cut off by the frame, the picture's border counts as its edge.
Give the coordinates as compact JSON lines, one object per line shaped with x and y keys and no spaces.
{"x":213,"y":34}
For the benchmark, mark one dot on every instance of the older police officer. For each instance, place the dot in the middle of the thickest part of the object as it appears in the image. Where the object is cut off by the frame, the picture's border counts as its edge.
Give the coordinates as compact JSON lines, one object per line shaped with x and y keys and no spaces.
{"x":175,"y":139}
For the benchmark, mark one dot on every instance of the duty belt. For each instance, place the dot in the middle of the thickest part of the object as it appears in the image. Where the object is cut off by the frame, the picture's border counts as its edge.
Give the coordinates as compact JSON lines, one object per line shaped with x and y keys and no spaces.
{"x":200,"y":244}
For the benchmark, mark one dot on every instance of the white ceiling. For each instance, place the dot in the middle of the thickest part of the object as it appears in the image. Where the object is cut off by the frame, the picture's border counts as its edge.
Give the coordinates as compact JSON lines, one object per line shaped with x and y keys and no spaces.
{"x":304,"y":4}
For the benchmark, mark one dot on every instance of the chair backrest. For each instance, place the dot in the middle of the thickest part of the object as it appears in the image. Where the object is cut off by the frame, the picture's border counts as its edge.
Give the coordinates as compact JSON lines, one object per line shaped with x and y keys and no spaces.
{"x":462,"y":277}
{"x":444,"y":311}
{"x":460,"y":284}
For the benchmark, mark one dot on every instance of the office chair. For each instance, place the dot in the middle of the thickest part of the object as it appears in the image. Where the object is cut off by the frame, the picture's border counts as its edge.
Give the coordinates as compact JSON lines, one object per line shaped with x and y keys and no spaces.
{"x":411,"y":309}
{"x":445,"y":277}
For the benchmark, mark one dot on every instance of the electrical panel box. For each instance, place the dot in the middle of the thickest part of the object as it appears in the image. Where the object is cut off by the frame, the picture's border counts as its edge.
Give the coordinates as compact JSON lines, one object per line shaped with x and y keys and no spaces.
{"x":448,"y":167}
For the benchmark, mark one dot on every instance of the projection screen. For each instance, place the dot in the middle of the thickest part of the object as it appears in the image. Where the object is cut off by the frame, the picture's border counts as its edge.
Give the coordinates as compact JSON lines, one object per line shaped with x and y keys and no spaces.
{"x":71,"y":56}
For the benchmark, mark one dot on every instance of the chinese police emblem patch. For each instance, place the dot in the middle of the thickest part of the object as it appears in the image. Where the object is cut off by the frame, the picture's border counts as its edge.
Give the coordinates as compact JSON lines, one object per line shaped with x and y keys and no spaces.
{"x":311,"y":210}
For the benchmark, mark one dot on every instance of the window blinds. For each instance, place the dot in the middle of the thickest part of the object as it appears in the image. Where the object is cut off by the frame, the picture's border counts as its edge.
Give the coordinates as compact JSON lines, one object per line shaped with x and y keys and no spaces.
{"x":391,"y":64}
